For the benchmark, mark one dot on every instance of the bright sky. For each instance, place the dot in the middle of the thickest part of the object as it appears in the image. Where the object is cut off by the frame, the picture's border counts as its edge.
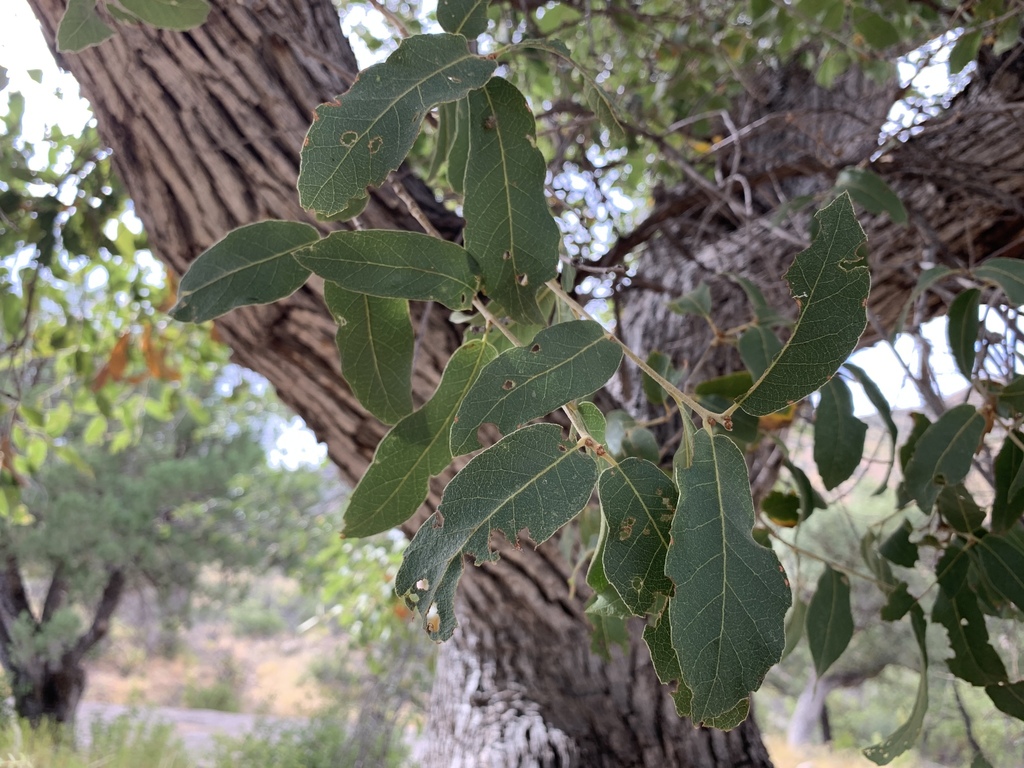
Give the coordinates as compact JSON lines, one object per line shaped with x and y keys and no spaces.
{"x":22,"y":50}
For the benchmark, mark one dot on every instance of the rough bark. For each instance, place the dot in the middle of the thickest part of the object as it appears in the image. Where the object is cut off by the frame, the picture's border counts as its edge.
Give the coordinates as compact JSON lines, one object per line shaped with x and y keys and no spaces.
{"x":206,"y":135}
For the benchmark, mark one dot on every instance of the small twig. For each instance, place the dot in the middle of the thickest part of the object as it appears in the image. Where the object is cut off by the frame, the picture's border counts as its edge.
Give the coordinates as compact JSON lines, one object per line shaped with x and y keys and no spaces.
{"x":682,"y":399}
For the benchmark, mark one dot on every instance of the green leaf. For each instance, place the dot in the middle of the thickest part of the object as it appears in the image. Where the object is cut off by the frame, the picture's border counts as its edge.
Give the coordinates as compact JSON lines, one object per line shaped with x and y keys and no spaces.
{"x":878,"y":32}
{"x":871,"y":192}
{"x":730,"y":385}
{"x":658,"y":637}
{"x":962,"y":329}
{"x":1008,"y":274}
{"x":1012,"y":395}
{"x":445,"y":137}
{"x":958,"y":508}
{"x":397,"y":481}
{"x":375,"y":339}
{"x":397,"y":265}
{"x":509,"y":229}
{"x":81,"y":27}
{"x":731,"y":596}
{"x":965,"y":51}
{"x":458,"y":155}
{"x":58,"y":419}
{"x":899,"y":602}
{"x":942,"y":456}
{"x":641,"y":443}
{"x":593,"y":420}
{"x":607,"y":111}
{"x":906,"y":735}
{"x":531,"y":480}
{"x":758,"y":346}
{"x":696,"y":302}
{"x":608,"y":631}
{"x":1008,"y":506}
{"x":838,"y":434}
{"x":463,"y":17}
{"x":795,"y":627}
{"x":898,"y":548}
{"x":956,"y":609}
{"x":1008,"y":698}
{"x":1002,"y":560}
{"x":358,"y":139}
{"x":829,"y":620}
{"x":810,"y":499}
{"x":661,"y":363}
{"x":874,"y":394}
{"x":782,"y":508}
{"x":924,"y":281}
{"x":169,"y":14}
{"x":95,"y":430}
{"x":564,"y":362}
{"x":638,"y":501}
{"x":764,"y":313}
{"x":253,"y":264}
{"x":830,"y":283}
{"x":617,"y":424}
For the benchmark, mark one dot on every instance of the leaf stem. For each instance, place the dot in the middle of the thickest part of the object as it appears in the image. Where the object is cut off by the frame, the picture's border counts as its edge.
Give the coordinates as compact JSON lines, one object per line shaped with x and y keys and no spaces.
{"x":681,"y":398}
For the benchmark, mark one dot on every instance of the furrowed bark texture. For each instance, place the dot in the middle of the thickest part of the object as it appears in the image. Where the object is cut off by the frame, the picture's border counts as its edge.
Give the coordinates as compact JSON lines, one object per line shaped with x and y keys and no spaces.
{"x":206,"y":128}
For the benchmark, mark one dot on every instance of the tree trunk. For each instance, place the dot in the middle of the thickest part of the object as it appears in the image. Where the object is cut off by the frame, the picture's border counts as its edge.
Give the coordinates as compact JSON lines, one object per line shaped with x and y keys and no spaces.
{"x":206,"y":135}
{"x":50,"y":693}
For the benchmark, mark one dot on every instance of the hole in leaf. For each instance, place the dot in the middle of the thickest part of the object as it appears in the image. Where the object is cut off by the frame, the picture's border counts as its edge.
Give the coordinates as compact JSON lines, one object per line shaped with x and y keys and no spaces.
{"x":423,"y":585}
{"x":506,"y":256}
{"x":508,"y":384}
{"x":523,"y":279}
{"x":535,"y":348}
{"x":636,"y":583}
{"x":562,"y":448}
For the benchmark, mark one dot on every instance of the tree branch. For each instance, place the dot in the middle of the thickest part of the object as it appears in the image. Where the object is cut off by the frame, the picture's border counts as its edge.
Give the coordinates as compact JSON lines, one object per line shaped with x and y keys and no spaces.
{"x":13,"y":597}
{"x":101,"y":623}
{"x":56,"y":594}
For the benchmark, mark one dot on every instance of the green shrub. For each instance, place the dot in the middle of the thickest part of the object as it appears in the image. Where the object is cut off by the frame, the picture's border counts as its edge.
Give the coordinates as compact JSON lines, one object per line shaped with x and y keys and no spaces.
{"x":253,"y":619}
{"x":119,"y":743}
{"x":324,"y":743}
{"x":220,"y":695}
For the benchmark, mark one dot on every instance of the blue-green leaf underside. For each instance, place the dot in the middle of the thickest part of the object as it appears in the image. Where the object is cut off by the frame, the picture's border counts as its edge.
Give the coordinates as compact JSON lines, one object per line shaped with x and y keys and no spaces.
{"x":357,"y":140}
{"x":397,"y":481}
{"x":638,"y":501}
{"x":731,"y":594}
{"x":375,"y":341}
{"x":509,"y":228}
{"x":530,"y":480}
{"x":562,"y":363}
{"x":830,"y":282}
{"x":254,"y":264}
{"x":396,"y":265}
